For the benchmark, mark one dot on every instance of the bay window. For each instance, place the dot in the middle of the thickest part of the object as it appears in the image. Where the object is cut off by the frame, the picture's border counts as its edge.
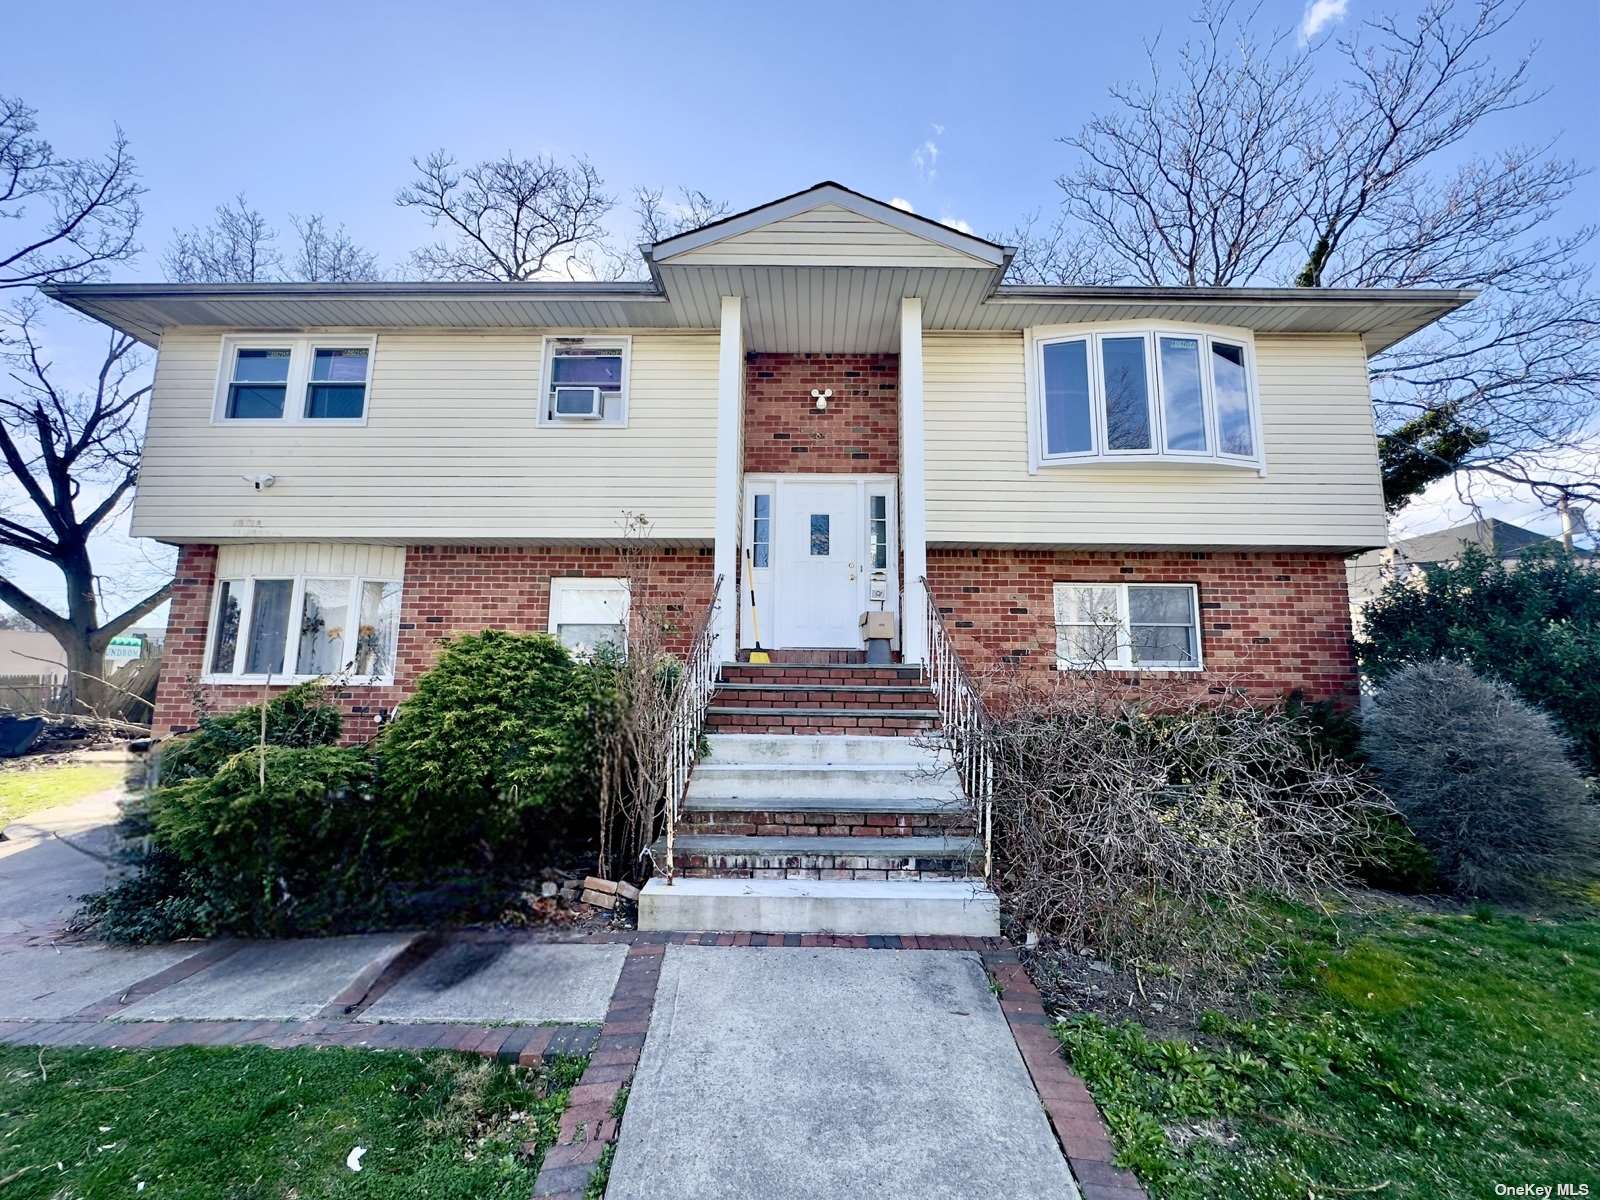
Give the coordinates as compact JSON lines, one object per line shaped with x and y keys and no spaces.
{"x":300,"y":627}
{"x":1143,"y":394}
{"x":1127,"y":626}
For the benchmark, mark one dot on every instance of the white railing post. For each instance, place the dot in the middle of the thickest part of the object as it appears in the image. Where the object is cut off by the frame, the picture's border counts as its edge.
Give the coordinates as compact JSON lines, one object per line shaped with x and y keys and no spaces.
{"x":700,"y":671}
{"x":964,"y":720}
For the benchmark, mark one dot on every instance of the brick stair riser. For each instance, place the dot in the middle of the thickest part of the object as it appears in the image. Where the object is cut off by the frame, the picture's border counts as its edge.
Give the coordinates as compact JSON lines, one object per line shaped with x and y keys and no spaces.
{"x":844,"y":677}
{"x":813,"y":657}
{"x":878,"y":723}
{"x":865,"y":874}
{"x":763,"y":823}
{"x":822,"y":697}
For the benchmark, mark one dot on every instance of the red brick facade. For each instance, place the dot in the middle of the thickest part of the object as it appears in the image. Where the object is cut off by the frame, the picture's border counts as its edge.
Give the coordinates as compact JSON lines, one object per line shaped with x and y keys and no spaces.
{"x":858,"y":433}
{"x":1271,"y":620}
{"x":446,"y":590}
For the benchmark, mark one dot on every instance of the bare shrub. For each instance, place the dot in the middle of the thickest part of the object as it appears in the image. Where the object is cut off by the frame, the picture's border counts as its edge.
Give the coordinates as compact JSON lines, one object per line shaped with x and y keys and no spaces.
{"x":1484,"y":779}
{"x":634,"y":727}
{"x":1129,"y":817}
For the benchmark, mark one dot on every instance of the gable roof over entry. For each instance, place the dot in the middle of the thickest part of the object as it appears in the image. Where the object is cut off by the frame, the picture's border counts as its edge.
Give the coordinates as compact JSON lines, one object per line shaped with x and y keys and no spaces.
{"x":828,"y":225}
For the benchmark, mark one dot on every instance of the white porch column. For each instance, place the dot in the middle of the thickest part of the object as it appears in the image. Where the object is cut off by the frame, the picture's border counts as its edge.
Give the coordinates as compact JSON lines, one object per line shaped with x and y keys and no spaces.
{"x":730,"y":477}
{"x":913,"y":485}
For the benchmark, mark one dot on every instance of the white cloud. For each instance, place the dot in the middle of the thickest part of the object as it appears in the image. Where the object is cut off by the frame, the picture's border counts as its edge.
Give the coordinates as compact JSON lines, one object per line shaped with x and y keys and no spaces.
{"x":1319,"y":15}
{"x":902,"y":204}
{"x":957,"y":224}
{"x":938,"y":130}
{"x":926,"y":156}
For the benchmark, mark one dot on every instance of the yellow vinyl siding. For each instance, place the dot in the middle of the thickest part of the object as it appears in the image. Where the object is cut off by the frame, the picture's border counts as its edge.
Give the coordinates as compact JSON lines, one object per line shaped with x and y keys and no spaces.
{"x":826,"y":236}
{"x":452,"y":449}
{"x":311,"y":559}
{"x":1322,"y":486}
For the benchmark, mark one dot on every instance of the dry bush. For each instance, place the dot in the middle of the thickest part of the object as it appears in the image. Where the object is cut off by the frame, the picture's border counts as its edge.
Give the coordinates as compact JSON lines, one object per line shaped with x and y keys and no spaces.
{"x":1129,"y":817}
{"x":1484,"y":779}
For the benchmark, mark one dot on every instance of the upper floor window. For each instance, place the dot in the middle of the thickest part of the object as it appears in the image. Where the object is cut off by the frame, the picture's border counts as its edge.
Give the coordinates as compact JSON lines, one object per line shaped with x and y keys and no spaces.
{"x":295,"y":379}
{"x":585,"y":380}
{"x":1144,"y":393}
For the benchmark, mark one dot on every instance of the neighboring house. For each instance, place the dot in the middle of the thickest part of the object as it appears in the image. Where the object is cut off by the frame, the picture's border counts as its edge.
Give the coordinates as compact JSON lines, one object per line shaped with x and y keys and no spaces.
{"x":840,"y":396}
{"x":1370,"y":571}
{"x":32,"y":654}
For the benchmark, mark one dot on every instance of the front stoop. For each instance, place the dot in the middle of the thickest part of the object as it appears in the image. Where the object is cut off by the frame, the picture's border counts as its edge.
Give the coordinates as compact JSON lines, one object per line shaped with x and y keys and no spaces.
{"x":815,"y":812}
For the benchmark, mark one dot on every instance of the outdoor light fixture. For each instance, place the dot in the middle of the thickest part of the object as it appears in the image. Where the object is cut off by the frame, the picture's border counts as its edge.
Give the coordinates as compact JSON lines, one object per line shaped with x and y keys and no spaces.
{"x":822,"y":396}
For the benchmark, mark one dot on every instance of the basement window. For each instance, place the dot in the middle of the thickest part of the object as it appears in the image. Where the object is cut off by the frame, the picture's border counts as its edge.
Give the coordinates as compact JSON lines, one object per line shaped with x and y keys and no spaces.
{"x":585,"y":381}
{"x":1143,"y":394}
{"x":295,"y":628}
{"x":1127,"y":626}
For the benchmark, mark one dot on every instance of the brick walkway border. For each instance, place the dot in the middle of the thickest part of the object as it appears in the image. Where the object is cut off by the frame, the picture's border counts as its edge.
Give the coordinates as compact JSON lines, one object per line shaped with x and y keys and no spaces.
{"x":1077,"y":1122}
{"x":589,"y":1125}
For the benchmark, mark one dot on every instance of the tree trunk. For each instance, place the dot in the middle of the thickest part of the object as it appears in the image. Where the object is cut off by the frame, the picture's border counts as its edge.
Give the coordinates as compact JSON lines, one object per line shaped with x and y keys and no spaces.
{"x":85,"y":669}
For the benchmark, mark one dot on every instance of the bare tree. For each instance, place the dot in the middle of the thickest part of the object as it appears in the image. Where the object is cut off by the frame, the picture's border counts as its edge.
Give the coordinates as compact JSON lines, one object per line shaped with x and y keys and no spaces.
{"x":509,"y":219}
{"x":237,"y":247}
{"x":1243,"y":170}
{"x":330,"y":255}
{"x":659,"y":220}
{"x":240,"y":246}
{"x":77,"y":215}
{"x":1057,"y":252}
{"x":73,"y":457}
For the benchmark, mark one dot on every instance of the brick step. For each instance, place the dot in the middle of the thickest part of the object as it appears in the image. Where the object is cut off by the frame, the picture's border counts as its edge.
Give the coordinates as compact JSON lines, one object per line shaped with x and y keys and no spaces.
{"x":903,"y":722}
{"x":834,"y":674}
{"x":868,"y":907}
{"x":726,"y":857}
{"x":872,"y":696}
{"x":812,"y":823}
{"x":801,"y":655}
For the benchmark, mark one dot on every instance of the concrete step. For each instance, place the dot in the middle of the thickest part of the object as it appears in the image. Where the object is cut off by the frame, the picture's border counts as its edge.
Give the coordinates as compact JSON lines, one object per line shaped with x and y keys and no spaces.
{"x":841,"y":674}
{"x":862,"y":857}
{"x":754,"y":749}
{"x":903,"y":722}
{"x":926,"y":908}
{"x":952,"y":804}
{"x":775,"y":785}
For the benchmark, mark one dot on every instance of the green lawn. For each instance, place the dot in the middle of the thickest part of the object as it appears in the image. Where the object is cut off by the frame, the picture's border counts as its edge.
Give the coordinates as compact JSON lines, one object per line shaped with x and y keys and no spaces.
{"x":28,"y":791}
{"x":1409,"y":1056}
{"x":251,"y":1123}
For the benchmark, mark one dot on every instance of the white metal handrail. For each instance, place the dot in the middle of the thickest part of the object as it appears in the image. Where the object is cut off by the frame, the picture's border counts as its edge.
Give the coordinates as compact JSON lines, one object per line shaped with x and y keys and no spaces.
{"x":964,"y":722}
{"x":698,"y":682}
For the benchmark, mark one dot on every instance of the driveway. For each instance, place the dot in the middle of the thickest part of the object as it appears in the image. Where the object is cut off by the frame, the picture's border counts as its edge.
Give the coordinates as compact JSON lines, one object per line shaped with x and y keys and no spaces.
{"x":811,"y":1073}
{"x":50,"y":858}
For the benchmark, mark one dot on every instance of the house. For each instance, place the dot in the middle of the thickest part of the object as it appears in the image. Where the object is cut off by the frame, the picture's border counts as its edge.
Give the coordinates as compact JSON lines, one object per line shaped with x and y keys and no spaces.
{"x":829,"y":402}
{"x":1370,"y":571}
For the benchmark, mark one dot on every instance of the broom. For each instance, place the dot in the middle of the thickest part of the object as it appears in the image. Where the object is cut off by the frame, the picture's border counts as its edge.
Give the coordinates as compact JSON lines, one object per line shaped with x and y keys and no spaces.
{"x":757,"y":655}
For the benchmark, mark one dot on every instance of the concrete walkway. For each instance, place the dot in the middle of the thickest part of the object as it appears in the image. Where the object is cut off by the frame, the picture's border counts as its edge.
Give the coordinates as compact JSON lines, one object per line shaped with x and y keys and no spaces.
{"x":813,"y":1073}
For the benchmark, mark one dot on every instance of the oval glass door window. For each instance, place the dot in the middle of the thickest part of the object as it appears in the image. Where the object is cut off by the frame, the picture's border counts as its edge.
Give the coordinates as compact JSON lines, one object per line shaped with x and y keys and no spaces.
{"x":819,"y":535}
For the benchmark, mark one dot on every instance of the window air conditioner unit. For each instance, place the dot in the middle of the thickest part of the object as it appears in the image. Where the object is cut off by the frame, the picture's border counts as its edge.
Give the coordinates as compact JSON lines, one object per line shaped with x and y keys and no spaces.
{"x":578,"y":403}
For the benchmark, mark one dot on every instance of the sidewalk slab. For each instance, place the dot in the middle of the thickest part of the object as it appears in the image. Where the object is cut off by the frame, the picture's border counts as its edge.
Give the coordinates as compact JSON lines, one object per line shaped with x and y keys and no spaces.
{"x":508,"y":982}
{"x":811,"y":1074}
{"x":50,"y":982}
{"x":266,"y":981}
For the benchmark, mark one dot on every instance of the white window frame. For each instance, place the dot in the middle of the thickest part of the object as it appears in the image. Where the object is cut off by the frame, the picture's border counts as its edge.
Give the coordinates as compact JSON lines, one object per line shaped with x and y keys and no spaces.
{"x":1124,"y":660}
{"x":245,"y":588}
{"x":562,"y":586}
{"x":302,"y":352}
{"x":1092,"y":335}
{"x":608,"y":341}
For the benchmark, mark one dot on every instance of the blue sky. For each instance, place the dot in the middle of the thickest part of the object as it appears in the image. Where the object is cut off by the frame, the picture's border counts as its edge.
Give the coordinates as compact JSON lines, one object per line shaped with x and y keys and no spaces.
{"x":319,"y":107}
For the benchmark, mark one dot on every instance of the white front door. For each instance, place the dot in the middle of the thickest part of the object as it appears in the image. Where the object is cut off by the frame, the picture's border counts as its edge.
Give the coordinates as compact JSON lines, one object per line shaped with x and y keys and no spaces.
{"x":819,"y":531}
